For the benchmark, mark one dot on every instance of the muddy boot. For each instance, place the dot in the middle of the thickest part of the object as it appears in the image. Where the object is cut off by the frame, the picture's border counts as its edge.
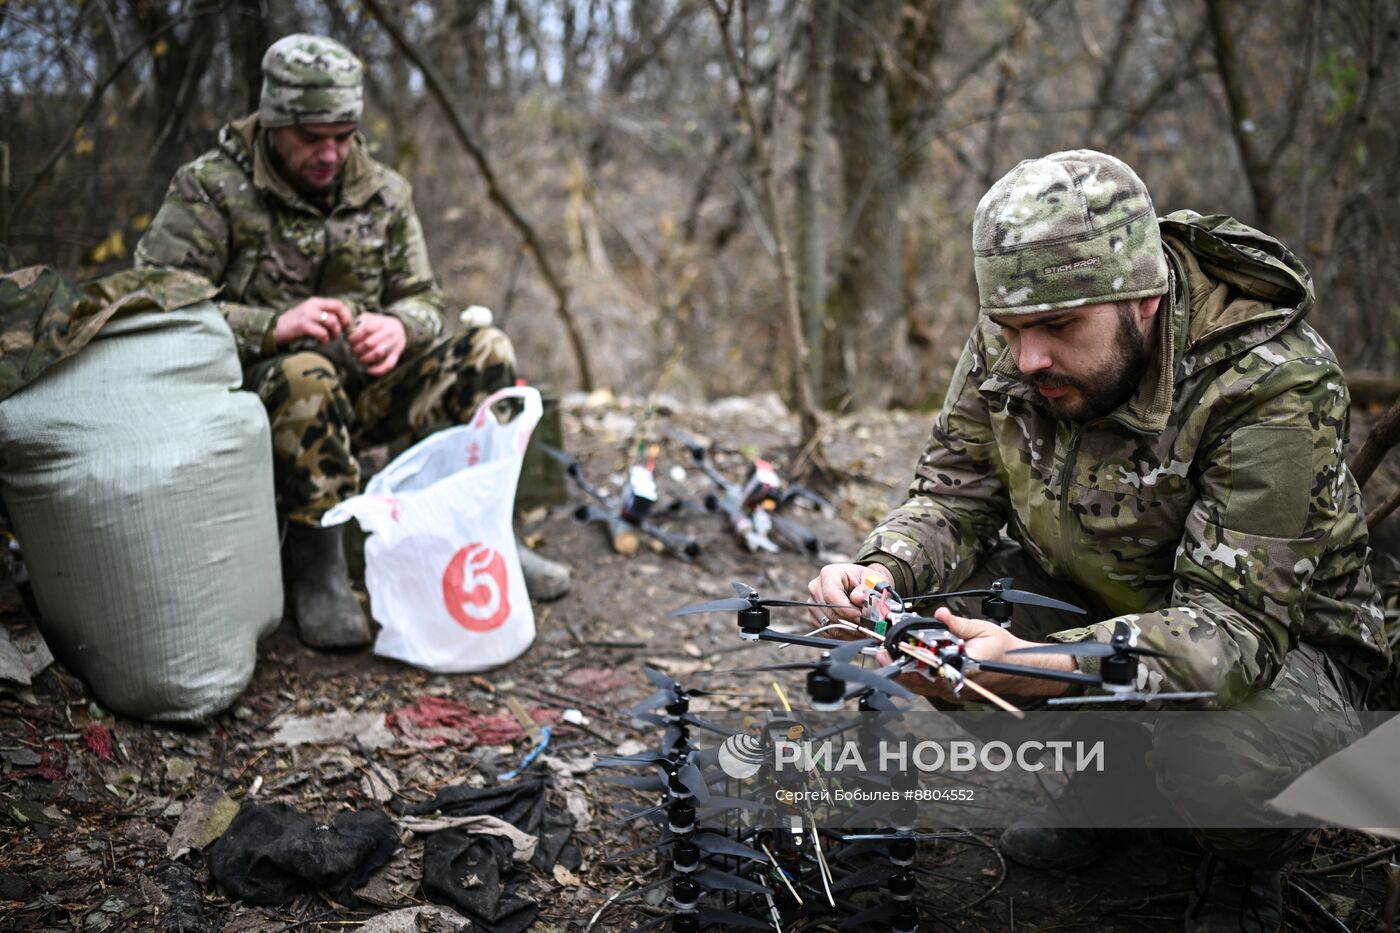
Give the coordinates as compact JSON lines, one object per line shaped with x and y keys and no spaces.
{"x":544,"y":579}
{"x":1233,"y":897}
{"x":318,"y":584}
{"x":1039,"y":839}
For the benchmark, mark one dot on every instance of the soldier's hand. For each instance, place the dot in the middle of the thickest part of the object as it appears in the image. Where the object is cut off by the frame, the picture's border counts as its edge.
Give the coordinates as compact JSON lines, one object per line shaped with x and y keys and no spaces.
{"x":321,"y":319}
{"x":842,"y":585}
{"x":378,"y":341}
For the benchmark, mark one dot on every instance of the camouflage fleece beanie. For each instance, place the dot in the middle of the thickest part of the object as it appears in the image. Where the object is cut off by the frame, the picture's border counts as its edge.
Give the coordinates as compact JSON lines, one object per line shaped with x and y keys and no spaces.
{"x":1072,"y":228}
{"x":310,"y":79}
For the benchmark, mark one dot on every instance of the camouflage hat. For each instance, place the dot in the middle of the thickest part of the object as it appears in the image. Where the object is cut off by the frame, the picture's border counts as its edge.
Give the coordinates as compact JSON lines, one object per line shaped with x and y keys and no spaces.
{"x":1072,"y":228}
{"x":310,"y":79}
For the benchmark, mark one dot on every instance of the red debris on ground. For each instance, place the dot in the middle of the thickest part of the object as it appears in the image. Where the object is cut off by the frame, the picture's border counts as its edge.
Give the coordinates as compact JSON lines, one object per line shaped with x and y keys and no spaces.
{"x":545,"y":716}
{"x":595,"y":682}
{"x":432,"y":722}
{"x":98,"y":739}
{"x":497,"y":730}
{"x":428,"y":712}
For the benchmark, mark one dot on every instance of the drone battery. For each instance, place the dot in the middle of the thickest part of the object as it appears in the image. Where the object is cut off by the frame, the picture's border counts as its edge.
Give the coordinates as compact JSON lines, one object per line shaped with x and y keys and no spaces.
{"x":640,"y":494}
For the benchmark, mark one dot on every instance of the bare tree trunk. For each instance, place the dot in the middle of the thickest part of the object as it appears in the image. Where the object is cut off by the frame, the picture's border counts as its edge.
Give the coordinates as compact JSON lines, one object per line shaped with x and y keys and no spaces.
{"x":498,"y":195}
{"x":1257,"y":169}
{"x":248,"y":40}
{"x":1127,"y":27}
{"x":812,"y":188}
{"x":739,"y":68}
{"x":865,"y":304}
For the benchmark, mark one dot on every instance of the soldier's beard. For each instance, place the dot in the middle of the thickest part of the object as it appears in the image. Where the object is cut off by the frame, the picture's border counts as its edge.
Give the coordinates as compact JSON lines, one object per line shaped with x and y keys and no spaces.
{"x":1118,"y":378}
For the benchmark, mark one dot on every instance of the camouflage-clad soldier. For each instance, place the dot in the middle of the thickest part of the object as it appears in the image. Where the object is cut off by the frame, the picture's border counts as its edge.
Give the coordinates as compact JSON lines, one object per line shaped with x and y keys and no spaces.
{"x":329,"y":293}
{"x":1144,"y":410}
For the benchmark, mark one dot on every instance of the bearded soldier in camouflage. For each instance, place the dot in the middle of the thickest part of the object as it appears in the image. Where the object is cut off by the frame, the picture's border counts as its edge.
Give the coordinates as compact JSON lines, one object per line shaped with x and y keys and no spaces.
{"x":329,"y":293}
{"x":1145,"y":412}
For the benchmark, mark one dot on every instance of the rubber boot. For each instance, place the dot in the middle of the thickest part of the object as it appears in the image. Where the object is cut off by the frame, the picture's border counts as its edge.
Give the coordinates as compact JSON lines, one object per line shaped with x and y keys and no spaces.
{"x":1230,"y":897}
{"x":318,"y":585}
{"x":544,"y":579}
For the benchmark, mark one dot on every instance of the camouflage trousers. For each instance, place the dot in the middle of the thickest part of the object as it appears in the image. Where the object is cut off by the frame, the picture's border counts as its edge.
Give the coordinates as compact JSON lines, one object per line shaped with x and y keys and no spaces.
{"x":1194,"y":757}
{"x":323,"y":407}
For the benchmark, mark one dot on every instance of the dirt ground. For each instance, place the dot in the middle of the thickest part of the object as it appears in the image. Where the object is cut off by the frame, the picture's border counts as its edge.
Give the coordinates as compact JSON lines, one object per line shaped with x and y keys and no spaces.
{"x":91,"y":836}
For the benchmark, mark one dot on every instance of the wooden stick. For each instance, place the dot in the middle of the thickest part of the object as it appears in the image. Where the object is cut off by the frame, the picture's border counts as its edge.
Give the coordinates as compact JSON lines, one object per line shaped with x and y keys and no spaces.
{"x":929,"y":658}
{"x":781,"y":874}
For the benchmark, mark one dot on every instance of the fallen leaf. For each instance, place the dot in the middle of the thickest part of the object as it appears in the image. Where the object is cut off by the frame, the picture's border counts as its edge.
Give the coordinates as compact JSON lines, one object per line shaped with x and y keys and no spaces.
{"x":340,"y":727}
{"x":205,"y":818}
{"x":565,"y":877}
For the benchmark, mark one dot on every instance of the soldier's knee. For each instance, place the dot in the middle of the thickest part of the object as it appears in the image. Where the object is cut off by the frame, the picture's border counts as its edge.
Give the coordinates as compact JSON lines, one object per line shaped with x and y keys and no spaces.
{"x":309,"y":375}
{"x":490,"y":347}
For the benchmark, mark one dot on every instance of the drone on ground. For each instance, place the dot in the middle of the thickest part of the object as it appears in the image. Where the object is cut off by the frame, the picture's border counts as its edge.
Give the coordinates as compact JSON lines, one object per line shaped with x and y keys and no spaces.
{"x":754,"y":508}
{"x":630,"y":514}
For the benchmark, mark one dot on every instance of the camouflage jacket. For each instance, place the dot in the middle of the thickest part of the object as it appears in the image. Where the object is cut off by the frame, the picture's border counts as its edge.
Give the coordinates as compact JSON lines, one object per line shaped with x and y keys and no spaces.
{"x":230,"y":217}
{"x":1213,"y":510}
{"x":46,"y":318}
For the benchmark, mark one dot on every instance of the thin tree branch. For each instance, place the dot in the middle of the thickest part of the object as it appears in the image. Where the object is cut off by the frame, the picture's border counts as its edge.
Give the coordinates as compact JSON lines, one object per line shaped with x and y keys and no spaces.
{"x":95,"y":98}
{"x":1384,"y":434}
{"x":63,"y":47}
{"x":1126,"y":29}
{"x":438,"y":88}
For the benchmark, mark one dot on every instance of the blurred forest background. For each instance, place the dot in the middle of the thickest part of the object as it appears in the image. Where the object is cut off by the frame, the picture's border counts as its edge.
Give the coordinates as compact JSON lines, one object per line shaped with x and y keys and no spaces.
{"x":625,"y":182}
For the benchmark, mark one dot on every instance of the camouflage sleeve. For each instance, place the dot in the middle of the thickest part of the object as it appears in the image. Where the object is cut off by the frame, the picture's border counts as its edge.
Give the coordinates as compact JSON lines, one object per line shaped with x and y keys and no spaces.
{"x":956,"y":504}
{"x":410,"y":294}
{"x":1274,"y":491}
{"x":190,"y":232}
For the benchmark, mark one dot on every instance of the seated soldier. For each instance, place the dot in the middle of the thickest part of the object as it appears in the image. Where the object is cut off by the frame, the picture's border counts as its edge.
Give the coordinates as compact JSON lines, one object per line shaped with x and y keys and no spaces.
{"x":329,"y":293}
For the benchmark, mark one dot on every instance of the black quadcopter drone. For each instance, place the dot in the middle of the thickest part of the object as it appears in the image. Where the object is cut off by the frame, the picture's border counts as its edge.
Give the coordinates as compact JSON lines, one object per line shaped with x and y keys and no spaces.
{"x":922,"y":644}
{"x":632,"y":511}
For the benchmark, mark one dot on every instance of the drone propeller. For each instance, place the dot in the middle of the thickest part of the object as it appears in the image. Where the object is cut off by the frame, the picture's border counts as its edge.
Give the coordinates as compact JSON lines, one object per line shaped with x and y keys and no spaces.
{"x":689,"y":719}
{"x":867,"y":679}
{"x":717,"y":880}
{"x":1121,"y":644}
{"x":669,"y":690}
{"x":747,"y":598}
{"x":1001,"y":589}
{"x":650,"y":783}
{"x":707,"y":842}
{"x":705,"y":917}
{"x":685,"y":771}
{"x":1131,"y":697}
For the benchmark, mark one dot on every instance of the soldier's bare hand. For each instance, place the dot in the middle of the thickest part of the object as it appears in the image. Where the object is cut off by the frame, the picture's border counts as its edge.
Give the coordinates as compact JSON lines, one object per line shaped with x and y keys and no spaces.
{"x":321,"y":319}
{"x":378,"y":341}
{"x":987,"y":641}
{"x":842,"y":585}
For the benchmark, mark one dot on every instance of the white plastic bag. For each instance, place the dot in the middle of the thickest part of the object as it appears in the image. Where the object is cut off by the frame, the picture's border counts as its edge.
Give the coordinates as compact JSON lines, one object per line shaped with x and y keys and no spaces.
{"x":441,"y":564}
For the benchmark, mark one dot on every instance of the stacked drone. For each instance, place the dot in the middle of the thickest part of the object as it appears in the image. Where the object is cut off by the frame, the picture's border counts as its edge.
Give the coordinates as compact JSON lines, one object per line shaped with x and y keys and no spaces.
{"x":758,"y":864}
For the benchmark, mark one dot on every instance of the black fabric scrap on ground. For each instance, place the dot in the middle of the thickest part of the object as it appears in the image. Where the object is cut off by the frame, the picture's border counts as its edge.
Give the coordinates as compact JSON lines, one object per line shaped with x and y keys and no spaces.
{"x":473,"y":874}
{"x":520,"y":803}
{"x":271,"y":853}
